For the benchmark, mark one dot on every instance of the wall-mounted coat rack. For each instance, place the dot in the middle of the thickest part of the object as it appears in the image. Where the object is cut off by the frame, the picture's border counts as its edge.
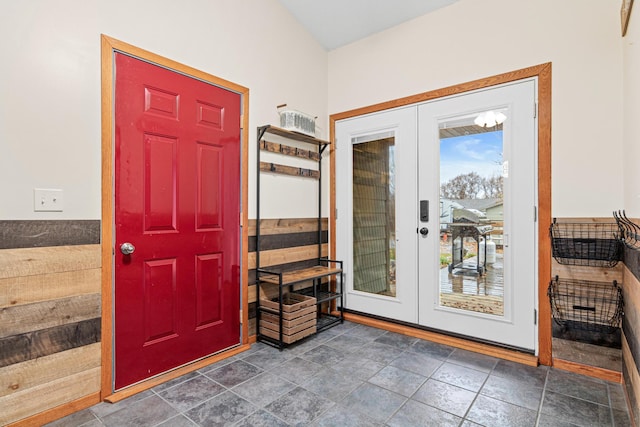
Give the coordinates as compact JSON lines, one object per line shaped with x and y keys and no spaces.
{"x":629,"y":230}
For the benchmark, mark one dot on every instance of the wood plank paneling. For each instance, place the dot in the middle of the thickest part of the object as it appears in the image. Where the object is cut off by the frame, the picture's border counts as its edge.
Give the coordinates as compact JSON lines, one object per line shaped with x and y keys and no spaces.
{"x":280,"y":241}
{"x":31,"y":345}
{"x":631,"y":321}
{"x":67,"y":408}
{"x":283,"y":256}
{"x":631,"y":380}
{"x":44,"y":287}
{"x":37,"y":399}
{"x":25,"y":318}
{"x":21,"y":376}
{"x":42,"y":233}
{"x":33,"y":261}
{"x":286,"y":226}
{"x":597,"y":274}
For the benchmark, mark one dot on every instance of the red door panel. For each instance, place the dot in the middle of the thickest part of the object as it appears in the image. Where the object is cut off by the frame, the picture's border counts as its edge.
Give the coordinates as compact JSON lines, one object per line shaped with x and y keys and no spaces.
{"x":177,"y":200}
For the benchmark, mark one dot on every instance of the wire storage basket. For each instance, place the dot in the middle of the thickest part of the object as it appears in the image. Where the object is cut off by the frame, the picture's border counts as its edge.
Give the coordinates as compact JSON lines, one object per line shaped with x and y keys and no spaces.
{"x":586,"y":244}
{"x":586,"y":305}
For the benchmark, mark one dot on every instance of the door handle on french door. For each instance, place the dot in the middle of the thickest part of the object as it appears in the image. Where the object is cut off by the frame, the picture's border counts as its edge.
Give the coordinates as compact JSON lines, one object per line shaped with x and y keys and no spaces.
{"x":424,"y":231}
{"x":127,"y":248}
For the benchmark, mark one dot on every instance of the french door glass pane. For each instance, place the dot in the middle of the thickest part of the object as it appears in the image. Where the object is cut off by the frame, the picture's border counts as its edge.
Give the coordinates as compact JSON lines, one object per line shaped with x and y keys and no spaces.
{"x":471,"y":212}
{"x":374,"y":216}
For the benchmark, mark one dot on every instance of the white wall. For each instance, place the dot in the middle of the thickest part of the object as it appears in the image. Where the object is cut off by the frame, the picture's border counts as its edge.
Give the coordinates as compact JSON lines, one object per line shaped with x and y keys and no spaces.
{"x":631,"y":43}
{"x":473,"y":39}
{"x":50,"y":85}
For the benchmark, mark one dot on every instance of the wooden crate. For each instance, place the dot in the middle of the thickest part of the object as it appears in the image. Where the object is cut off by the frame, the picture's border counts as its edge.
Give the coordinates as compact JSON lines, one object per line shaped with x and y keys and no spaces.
{"x":287,"y":330}
{"x":288,"y":339}
{"x":309,"y":316}
{"x":298,"y":314}
{"x":291,"y":303}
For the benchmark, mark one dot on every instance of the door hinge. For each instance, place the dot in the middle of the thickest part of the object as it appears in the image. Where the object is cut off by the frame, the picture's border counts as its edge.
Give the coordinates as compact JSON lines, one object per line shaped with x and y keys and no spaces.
{"x":535,"y":316}
{"x":336,"y":214}
{"x":535,"y":214}
{"x":535,"y":110}
{"x":241,"y":220}
{"x":241,"y":320}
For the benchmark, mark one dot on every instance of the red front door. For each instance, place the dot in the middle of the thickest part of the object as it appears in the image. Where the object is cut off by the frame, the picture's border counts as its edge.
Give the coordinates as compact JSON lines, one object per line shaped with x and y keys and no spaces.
{"x":177,"y":202}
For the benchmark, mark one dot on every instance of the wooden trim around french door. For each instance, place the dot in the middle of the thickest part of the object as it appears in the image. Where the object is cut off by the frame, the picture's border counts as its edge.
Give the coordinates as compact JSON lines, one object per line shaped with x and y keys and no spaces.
{"x":108,"y":47}
{"x":543,"y":73}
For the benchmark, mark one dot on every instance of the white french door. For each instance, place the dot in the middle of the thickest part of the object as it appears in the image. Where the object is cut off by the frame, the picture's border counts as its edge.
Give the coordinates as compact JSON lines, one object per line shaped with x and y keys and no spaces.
{"x":436,"y":214}
{"x":477,"y":271}
{"x":376,"y":197}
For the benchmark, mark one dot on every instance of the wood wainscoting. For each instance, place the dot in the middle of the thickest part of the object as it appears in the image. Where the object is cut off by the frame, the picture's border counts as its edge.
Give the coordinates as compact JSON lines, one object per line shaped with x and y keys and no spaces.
{"x":631,"y":331}
{"x":49,"y":331}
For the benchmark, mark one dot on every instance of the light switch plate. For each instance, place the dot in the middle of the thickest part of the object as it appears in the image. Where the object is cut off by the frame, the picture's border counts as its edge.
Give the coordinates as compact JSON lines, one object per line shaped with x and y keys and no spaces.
{"x":48,"y":200}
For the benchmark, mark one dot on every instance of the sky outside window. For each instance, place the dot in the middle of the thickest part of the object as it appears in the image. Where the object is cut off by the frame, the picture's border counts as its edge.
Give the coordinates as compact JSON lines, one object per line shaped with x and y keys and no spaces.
{"x":480,"y":153}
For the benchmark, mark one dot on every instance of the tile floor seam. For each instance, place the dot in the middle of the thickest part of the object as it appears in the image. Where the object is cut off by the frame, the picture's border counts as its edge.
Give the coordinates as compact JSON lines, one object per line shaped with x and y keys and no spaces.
{"x":396,"y":411}
{"x":202,"y":402}
{"x":220,"y":384}
{"x":169,"y":403}
{"x":275,"y":375}
{"x":410,"y":398}
{"x":475,"y":398}
{"x":180,"y":411}
{"x":463,"y":418}
{"x":544,"y":392}
{"x":220,"y":394}
{"x":263,"y":408}
{"x":317,"y":418}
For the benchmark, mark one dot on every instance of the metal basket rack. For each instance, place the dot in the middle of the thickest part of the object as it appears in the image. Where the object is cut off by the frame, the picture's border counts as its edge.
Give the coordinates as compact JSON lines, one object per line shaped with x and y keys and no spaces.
{"x":586,"y":244}
{"x":586,"y":305}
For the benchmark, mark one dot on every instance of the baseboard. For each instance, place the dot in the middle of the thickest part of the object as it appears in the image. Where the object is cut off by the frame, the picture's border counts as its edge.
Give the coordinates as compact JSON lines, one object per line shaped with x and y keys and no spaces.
{"x":58,"y":412}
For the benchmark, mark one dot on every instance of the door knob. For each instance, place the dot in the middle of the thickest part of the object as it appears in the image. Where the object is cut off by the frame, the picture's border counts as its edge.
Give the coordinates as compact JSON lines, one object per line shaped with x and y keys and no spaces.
{"x":424,"y":231}
{"x":127,"y":248}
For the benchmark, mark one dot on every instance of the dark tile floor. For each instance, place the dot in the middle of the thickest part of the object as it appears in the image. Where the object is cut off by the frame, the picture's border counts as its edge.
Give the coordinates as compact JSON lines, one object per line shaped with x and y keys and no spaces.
{"x":354,"y":375}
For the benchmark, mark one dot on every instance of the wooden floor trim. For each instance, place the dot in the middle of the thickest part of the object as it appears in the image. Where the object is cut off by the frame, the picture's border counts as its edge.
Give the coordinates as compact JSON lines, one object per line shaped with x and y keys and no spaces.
{"x":589,"y":371}
{"x":58,"y":412}
{"x":489,"y":350}
{"x":152,"y":382}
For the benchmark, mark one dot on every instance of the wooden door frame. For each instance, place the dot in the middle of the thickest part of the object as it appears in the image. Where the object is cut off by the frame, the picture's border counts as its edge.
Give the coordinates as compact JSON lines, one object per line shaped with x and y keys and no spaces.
{"x":543,"y":73}
{"x":108,"y":48}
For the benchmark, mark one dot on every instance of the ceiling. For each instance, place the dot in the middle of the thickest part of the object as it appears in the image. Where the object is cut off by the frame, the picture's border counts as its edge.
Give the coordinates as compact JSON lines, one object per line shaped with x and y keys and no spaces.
{"x":335,"y":23}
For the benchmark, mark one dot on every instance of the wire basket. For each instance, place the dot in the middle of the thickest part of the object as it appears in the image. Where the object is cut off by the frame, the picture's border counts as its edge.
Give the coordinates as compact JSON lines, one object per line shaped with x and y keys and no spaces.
{"x":586,"y":305}
{"x":587,"y":244}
